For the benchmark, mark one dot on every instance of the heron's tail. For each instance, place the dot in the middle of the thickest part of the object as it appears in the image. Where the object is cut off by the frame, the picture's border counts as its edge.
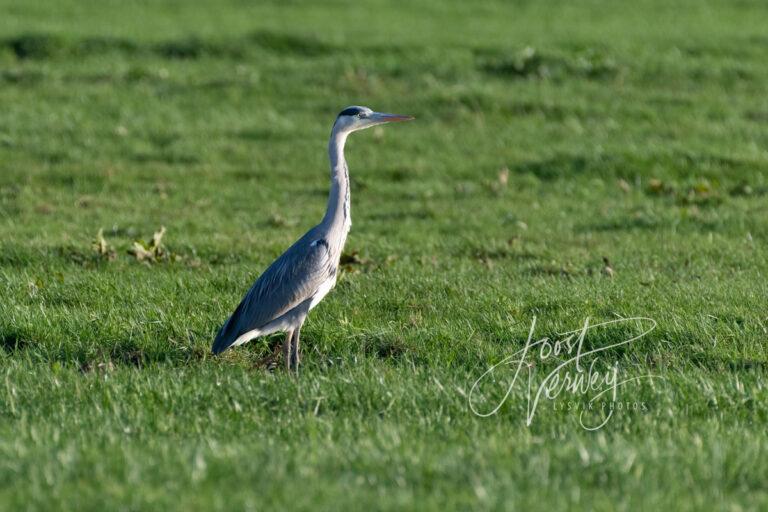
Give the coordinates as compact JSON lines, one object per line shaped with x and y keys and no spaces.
{"x":223,"y":340}
{"x":228,"y":333}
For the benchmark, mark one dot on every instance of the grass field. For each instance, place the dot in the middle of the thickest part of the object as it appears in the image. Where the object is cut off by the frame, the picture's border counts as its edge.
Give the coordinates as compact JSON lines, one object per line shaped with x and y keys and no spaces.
{"x":570,"y":160}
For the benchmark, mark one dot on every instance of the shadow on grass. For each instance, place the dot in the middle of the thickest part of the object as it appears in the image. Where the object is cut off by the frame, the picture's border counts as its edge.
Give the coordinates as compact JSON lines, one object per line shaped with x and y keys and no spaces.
{"x":576,"y":165}
{"x":512,"y":248}
{"x":383,"y":347}
{"x":720,"y":363}
{"x":530,"y":63}
{"x":418,"y":214}
{"x":26,"y":345}
{"x":14,"y":342}
{"x":623,"y":224}
{"x":43,"y":46}
{"x":99,"y":356}
{"x":165,"y":157}
{"x":553,"y":271}
{"x":650,"y":224}
{"x":21,"y":76}
{"x":677,"y":175}
{"x":255,"y":133}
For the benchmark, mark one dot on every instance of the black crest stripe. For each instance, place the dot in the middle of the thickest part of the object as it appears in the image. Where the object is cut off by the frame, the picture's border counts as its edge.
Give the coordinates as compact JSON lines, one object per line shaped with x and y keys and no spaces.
{"x":351,"y":111}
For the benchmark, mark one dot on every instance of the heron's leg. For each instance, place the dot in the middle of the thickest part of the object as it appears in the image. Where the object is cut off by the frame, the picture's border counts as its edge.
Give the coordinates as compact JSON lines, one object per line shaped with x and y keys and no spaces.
{"x":287,"y":352}
{"x":295,"y":356}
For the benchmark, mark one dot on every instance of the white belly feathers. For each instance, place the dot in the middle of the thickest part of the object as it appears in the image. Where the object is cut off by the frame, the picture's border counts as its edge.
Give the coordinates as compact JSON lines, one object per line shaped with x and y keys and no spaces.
{"x":322,"y":291}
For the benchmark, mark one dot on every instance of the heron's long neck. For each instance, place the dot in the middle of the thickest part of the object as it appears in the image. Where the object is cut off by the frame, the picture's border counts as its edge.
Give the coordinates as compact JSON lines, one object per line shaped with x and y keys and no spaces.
{"x":338,"y":215}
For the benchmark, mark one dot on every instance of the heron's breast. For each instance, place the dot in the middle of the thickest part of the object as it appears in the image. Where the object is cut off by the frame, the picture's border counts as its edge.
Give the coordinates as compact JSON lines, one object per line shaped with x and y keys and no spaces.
{"x":322,"y":291}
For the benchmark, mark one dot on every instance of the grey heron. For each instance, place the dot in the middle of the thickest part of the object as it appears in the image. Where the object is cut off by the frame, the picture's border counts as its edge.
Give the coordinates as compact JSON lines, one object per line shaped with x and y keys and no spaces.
{"x":297,"y":281}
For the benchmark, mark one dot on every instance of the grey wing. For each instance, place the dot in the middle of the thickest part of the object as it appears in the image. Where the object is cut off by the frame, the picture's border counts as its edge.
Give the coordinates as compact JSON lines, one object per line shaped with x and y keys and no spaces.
{"x":293,"y":278}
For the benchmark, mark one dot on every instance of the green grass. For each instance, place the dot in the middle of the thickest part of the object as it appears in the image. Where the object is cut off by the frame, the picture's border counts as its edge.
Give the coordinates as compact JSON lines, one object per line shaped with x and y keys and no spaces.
{"x":632,"y":132}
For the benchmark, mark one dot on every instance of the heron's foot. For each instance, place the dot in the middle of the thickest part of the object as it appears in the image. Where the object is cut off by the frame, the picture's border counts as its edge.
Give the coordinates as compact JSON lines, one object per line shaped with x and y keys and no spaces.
{"x":295,"y":359}
{"x":295,"y":353}
{"x":287,"y":349}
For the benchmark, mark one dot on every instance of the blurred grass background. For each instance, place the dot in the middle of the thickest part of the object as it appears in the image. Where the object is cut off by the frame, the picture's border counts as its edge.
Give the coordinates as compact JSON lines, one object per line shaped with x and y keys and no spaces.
{"x":554,"y":141}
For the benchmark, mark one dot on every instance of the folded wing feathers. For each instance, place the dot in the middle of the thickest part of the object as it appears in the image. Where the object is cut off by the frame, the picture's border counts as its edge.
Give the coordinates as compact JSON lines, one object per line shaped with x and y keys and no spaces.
{"x":291,"y":279}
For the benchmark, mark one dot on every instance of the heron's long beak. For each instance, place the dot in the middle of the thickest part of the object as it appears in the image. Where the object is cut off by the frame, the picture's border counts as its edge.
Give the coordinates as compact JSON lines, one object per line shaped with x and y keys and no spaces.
{"x":379,"y":117}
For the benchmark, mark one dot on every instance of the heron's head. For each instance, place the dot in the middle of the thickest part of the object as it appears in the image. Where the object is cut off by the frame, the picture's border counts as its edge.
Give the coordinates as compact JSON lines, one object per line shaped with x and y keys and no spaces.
{"x":356,"y":118}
